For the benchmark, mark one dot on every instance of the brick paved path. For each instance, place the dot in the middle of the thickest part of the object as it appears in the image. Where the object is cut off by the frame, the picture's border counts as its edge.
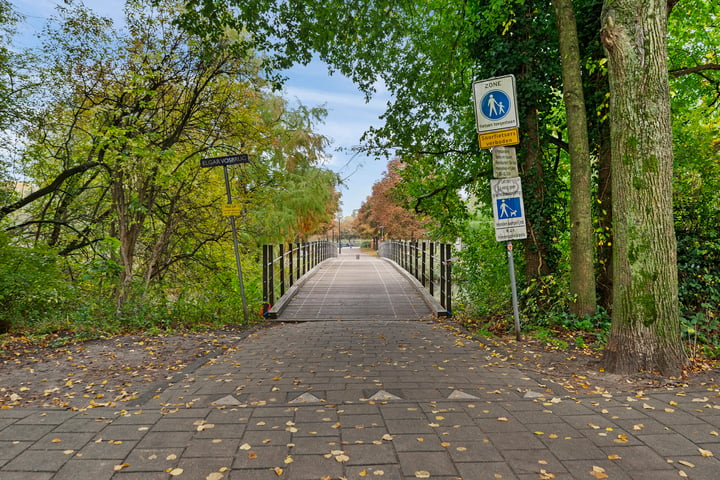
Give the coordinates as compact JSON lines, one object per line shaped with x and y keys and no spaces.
{"x":366,"y":399}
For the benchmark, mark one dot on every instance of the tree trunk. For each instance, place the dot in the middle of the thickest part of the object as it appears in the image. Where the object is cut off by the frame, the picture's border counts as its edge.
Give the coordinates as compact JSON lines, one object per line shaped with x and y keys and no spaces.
{"x":582,"y":271}
{"x":535,"y":248}
{"x":645,"y":333}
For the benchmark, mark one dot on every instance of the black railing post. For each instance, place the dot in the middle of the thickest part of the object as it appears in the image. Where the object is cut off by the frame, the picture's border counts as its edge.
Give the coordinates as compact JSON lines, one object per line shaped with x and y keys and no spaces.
{"x":266,"y":297}
{"x":448,"y":279}
{"x":290,"y":263}
{"x":443,"y":270}
{"x":282,"y":269}
{"x":271,"y":276}
{"x":424,"y":265}
{"x":432,"y":268}
{"x":416,"y":256}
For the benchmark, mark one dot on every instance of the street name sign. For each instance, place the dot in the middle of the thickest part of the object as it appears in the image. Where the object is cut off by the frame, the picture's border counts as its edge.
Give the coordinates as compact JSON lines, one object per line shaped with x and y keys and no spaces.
{"x":508,"y":209}
{"x":224,"y":161}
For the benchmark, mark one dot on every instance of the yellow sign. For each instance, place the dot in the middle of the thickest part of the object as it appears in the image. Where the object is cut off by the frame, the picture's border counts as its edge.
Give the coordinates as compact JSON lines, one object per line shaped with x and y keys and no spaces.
{"x":231,"y":210}
{"x":499,"y":138}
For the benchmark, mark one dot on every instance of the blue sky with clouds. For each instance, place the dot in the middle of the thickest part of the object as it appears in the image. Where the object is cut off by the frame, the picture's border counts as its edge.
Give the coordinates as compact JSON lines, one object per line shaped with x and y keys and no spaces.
{"x":349,"y":116}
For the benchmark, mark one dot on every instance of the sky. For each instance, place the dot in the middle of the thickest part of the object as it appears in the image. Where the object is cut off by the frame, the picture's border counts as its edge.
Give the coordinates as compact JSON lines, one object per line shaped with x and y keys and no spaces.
{"x":349,"y":116}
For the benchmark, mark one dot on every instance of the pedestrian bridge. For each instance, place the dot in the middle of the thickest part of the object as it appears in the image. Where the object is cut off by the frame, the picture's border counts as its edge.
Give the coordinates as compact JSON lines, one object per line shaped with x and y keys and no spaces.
{"x":356,"y":286}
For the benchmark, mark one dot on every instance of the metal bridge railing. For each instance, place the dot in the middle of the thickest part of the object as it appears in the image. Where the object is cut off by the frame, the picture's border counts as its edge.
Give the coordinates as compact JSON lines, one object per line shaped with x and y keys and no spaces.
{"x":429,"y":262}
{"x":284,"y":264}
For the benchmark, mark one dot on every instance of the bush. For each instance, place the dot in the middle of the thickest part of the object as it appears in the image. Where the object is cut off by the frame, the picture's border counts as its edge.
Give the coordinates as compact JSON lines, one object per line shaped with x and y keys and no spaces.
{"x":32,"y":287}
{"x":481,"y":274}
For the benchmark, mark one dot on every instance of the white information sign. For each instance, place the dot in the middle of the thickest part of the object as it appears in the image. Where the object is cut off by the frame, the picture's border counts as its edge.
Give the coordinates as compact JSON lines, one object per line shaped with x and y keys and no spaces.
{"x":495,"y":104}
{"x":504,"y":162}
{"x":508,"y":210}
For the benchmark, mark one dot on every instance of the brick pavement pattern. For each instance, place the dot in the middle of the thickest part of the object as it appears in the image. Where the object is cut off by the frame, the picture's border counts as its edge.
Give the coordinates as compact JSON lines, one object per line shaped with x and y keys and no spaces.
{"x":366,"y":399}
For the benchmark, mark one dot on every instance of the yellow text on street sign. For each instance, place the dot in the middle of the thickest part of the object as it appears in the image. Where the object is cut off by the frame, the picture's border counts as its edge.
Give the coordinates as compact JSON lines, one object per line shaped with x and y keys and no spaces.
{"x":231,"y":210}
{"x":499,"y":138}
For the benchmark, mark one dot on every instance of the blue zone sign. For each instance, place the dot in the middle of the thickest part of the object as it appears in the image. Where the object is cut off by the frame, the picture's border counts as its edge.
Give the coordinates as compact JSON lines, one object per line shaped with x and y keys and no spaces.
{"x":495,"y":104}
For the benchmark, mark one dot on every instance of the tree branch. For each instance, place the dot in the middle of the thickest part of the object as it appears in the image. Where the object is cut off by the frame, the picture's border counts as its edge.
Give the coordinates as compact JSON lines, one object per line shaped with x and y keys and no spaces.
{"x":55,"y":185}
{"x":681,"y":72}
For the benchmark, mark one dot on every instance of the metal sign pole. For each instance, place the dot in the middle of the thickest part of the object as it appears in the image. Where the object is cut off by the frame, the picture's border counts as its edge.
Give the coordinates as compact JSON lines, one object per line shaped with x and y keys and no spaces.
{"x":235,"y":246}
{"x":513,"y":288}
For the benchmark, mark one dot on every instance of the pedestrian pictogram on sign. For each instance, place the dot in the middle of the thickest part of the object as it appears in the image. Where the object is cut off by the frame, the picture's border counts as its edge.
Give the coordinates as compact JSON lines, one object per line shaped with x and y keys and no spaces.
{"x":509,"y":207}
{"x":495,"y":104}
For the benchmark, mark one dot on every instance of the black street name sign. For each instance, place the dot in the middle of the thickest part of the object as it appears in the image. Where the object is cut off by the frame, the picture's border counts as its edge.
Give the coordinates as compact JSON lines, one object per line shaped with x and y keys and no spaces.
{"x":222,"y":161}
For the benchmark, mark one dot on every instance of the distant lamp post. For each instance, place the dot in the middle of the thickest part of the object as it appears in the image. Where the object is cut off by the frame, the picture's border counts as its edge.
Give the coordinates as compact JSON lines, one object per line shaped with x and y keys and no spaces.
{"x":339,"y":218}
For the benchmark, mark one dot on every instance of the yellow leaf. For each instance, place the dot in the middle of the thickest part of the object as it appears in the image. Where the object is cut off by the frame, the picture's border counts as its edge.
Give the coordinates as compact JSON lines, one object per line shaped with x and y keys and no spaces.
{"x":422,"y":474}
{"x":117,"y":468}
{"x":215,"y":476}
{"x":502,"y":419}
{"x":252,"y":455}
{"x":278,"y":471}
{"x":363,"y":473}
{"x":686,"y":463}
{"x":614,"y":457}
{"x":342,"y":458}
{"x":175,"y":472}
{"x":56,"y":440}
{"x":445,"y":444}
{"x":245,"y":446}
{"x":539,"y":433}
{"x":288,"y":460}
{"x":705,"y":453}
{"x":599,"y":473}
{"x":387,"y":437}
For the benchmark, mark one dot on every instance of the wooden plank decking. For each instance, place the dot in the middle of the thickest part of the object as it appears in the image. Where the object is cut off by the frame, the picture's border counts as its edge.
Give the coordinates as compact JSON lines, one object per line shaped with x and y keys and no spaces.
{"x":356,"y":286}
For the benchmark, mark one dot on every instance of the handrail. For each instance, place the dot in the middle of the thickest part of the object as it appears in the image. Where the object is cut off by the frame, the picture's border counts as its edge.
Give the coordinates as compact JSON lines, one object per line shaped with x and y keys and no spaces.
{"x":281,"y":272}
{"x":429,"y":262}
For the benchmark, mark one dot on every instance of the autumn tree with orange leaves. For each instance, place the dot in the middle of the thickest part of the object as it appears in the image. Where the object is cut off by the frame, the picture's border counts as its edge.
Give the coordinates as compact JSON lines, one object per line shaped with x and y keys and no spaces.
{"x":384,"y":210}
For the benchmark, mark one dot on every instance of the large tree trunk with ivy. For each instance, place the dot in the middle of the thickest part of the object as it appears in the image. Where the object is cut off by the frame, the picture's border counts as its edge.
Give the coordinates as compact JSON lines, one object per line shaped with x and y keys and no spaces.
{"x":645,"y":333}
{"x":582,"y":271}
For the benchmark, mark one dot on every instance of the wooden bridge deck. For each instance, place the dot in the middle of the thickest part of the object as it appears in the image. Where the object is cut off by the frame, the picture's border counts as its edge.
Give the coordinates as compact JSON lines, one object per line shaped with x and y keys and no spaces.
{"x":356,"y":286}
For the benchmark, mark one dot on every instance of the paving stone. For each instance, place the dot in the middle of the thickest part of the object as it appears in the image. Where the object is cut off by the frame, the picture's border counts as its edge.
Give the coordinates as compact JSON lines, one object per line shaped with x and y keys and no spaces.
{"x":261,"y":457}
{"x":436,"y":463}
{"x":25,"y":476}
{"x":532,"y":462}
{"x":473,"y":452}
{"x":105,"y":449}
{"x":200,"y":468}
{"x":36,"y":461}
{"x":80,"y":469}
{"x":17,"y":432}
{"x":153,"y":460}
{"x":9,"y":450}
{"x":208,"y":448}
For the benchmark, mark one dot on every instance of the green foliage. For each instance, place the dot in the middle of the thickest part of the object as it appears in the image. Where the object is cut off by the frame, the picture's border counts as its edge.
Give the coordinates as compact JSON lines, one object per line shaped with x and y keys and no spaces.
{"x":481,"y":274}
{"x":701,"y":332}
{"x":32,"y":287}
